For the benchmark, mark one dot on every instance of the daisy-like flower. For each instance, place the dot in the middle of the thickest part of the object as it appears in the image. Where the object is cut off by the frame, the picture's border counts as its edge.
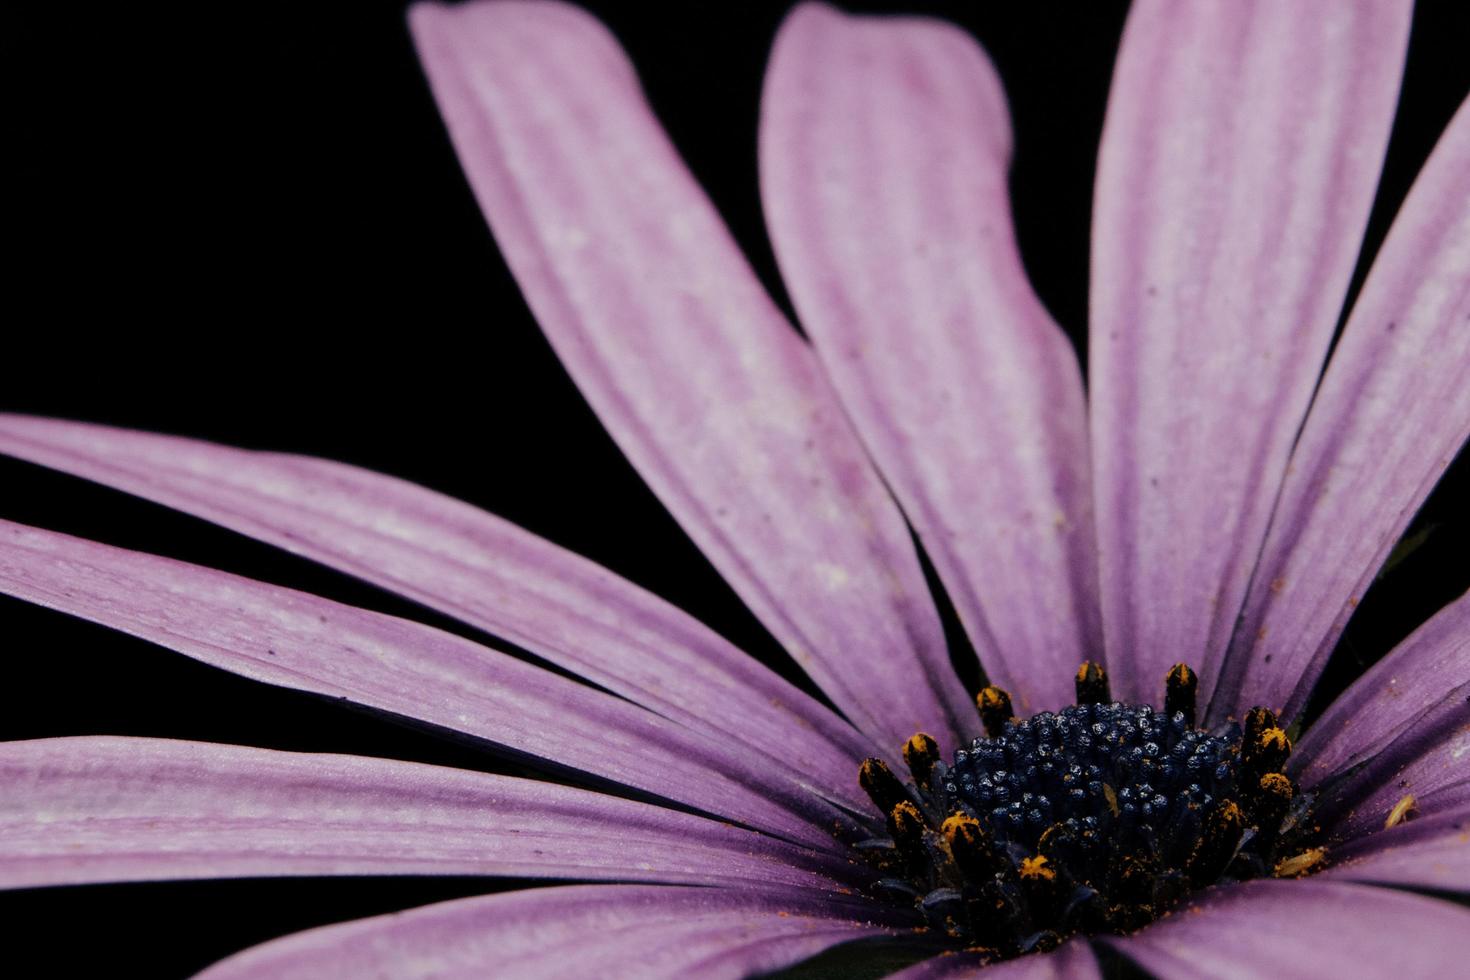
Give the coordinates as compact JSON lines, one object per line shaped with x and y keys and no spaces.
{"x":1153,"y":574}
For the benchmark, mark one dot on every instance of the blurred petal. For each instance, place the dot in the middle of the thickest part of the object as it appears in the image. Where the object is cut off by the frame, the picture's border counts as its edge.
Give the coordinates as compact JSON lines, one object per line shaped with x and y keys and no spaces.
{"x":1303,"y":928}
{"x":1430,"y":852}
{"x":279,"y":636}
{"x":572,"y":932}
{"x":473,"y":566}
{"x":1238,"y":164}
{"x":98,"y":809}
{"x":1074,"y":961}
{"x":885,"y":146}
{"x":710,"y":393}
{"x":1393,"y":409}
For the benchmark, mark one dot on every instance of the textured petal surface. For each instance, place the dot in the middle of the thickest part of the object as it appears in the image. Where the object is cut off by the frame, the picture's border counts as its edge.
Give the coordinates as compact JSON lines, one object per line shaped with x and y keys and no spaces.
{"x":1074,"y":961}
{"x":469,"y":564}
{"x":884,"y":151}
{"x":301,"y":641}
{"x":1403,"y":728}
{"x":119,"y":809}
{"x":1429,"y":760}
{"x":1304,"y":928}
{"x":1393,"y":409}
{"x":1398,"y":690}
{"x":1238,"y":164}
{"x":572,"y":932}
{"x":710,"y":393}
{"x":1430,"y":852}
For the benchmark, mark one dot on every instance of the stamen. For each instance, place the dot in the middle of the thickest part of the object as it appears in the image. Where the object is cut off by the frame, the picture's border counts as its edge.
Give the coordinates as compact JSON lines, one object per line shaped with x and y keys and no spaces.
{"x":1217,"y":844}
{"x":1180,"y":689}
{"x":881,"y":785}
{"x":1092,"y":684}
{"x":1267,"y":752}
{"x":969,"y":846}
{"x":1269,"y":803}
{"x":906,"y":827}
{"x":921,"y":755}
{"x":995,"y":710}
{"x":1257,"y":720}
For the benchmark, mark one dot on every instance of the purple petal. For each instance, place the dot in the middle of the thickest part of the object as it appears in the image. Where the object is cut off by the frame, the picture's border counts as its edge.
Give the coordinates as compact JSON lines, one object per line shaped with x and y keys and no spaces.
{"x":1393,"y":408}
{"x":1431,"y":852}
{"x":1238,"y":164}
{"x":304,"y":642}
{"x":579,"y":931}
{"x":885,"y":146}
{"x":1402,"y":729}
{"x":1304,"y":928}
{"x":1429,"y":760}
{"x":709,"y":392}
{"x":121,"y":809}
{"x":1074,"y":961}
{"x":1397,"y":691}
{"x":471,"y":565}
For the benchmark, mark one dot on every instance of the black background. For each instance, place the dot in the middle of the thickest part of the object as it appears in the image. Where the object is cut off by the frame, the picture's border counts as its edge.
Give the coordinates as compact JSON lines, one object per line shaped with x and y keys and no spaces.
{"x":246,"y":224}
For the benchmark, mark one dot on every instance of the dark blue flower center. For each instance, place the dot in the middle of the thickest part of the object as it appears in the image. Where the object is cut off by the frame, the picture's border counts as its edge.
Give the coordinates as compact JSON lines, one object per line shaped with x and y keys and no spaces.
{"x":1096,"y":818}
{"x":1118,"y":770}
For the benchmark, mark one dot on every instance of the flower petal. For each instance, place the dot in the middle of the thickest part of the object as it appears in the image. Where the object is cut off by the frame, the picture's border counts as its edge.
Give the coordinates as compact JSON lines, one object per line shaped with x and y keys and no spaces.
{"x":1074,"y":961}
{"x":1393,"y":409}
{"x":1402,"y":729}
{"x":1397,"y":691}
{"x":307,"y":643}
{"x":885,"y":146}
{"x":1303,"y":928}
{"x":123,"y":809}
{"x":1430,"y":852}
{"x":473,"y":566}
{"x":709,"y":392}
{"x":577,"y":931}
{"x":1239,"y":159}
{"x":1429,"y":760}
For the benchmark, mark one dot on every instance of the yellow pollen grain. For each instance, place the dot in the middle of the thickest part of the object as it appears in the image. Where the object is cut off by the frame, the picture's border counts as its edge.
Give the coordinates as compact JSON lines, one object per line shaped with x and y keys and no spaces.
{"x":1035,"y":868}
{"x":919,"y":746}
{"x":990,"y":698}
{"x":957,"y":823}
{"x":1276,"y":784}
{"x":1404,"y":809}
{"x":1112,"y":797}
{"x":1300,"y":864}
{"x":1275,"y":738}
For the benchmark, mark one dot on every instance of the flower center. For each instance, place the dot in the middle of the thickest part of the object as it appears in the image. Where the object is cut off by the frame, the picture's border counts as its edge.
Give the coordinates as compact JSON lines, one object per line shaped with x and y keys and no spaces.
{"x":1097,"y":818}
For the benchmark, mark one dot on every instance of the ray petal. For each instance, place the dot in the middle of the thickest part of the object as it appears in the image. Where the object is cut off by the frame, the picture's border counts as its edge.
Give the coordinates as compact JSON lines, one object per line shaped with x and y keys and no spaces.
{"x":1074,"y":961}
{"x":1393,"y":409}
{"x":1303,"y":928}
{"x":1431,"y":852}
{"x":885,"y":146}
{"x":292,"y":639}
{"x":570,"y":932}
{"x":659,"y":319}
{"x":471,"y":565}
{"x":1239,"y":160}
{"x":97,"y":809}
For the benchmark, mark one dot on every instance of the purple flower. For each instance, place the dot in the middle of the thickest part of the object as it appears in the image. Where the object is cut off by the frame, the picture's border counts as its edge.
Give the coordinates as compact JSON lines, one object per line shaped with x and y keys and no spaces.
{"x":1216,"y":499}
